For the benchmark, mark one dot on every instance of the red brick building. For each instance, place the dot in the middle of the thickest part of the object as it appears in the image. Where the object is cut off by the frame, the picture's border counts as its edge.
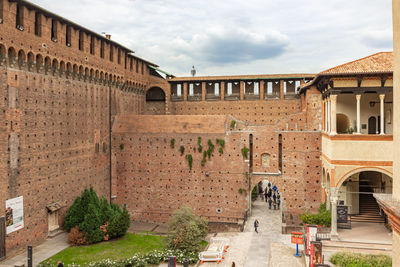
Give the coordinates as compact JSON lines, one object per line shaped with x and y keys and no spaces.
{"x":70,"y":96}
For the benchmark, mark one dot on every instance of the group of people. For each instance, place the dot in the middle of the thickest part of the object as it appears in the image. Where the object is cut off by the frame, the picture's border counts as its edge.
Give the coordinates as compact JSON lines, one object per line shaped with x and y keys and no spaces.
{"x":271,"y":195}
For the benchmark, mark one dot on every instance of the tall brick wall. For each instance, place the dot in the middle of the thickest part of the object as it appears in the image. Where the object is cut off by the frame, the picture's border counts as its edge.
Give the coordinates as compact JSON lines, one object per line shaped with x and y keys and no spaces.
{"x":258,"y":112}
{"x":54,"y":139}
{"x":154,"y":179}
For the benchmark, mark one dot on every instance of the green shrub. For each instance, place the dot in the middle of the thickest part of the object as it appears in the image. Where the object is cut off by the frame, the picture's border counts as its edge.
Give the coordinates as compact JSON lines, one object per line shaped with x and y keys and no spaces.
{"x":182,"y":150}
{"x":344,"y":259}
{"x":233,"y":123}
{"x":245,"y":152}
{"x":88,"y":212}
{"x":200,"y":148}
{"x":323,"y":217}
{"x":221,"y":151}
{"x":186,"y":231}
{"x":119,"y":224}
{"x":172,"y":143}
{"x":91,"y":225}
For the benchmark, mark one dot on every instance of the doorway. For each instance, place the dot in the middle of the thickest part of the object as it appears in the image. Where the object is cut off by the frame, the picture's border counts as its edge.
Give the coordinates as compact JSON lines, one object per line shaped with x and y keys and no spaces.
{"x":372,"y":125}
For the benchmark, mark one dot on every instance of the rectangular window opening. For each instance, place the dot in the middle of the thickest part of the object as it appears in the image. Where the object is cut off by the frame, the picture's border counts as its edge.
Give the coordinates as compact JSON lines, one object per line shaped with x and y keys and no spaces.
{"x":191,"y":91}
{"x":119,"y":56}
{"x":216,"y":89}
{"x":92,"y":42}
{"x":1,"y":11}
{"x":68,"y":36}
{"x":54,"y":30}
{"x":38,"y":24}
{"x":142,"y":68}
{"x":137,"y":66}
{"x":19,"y":19}
{"x":81,"y":36}
{"x":111,"y":53}
{"x":229,"y":89}
{"x":131,"y":65}
{"x":179,"y":89}
{"x":102,"y":49}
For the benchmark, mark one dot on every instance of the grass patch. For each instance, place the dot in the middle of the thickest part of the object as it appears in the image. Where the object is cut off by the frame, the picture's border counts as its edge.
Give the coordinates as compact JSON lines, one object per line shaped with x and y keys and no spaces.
{"x":345,"y":259}
{"x":115,"y":249}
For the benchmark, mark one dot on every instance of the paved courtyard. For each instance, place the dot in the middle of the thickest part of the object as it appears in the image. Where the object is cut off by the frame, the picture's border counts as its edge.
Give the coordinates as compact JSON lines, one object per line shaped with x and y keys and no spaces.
{"x":267,"y":248}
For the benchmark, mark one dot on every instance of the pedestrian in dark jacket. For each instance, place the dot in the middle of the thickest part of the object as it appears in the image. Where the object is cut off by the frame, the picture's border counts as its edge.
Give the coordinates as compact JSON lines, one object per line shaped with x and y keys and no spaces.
{"x":269,"y":202}
{"x":266,"y":194}
{"x":256,"y":223}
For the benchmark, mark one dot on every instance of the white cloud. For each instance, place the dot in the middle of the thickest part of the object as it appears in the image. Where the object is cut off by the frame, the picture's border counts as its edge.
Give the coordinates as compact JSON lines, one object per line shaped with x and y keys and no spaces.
{"x":238,"y":36}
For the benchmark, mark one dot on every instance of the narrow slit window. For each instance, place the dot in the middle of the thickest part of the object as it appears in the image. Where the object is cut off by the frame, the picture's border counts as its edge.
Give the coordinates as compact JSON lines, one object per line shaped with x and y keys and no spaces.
{"x":54,"y":30}
{"x":38,"y":24}
{"x":102,"y":49}
{"x":68,"y":36}
{"x":137,"y":66}
{"x":19,"y":20}
{"x":142,"y":67}
{"x":131,"y":66}
{"x":126,"y":61}
{"x":119,"y":56}
{"x":111,"y":53}
{"x":1,"y":11}
{"x":81,"y":36}
{"x":92,"y":42}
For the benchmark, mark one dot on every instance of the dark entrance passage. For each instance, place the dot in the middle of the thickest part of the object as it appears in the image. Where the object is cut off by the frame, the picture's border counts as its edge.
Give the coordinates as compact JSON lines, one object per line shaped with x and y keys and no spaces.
{"x":372,"y":125}
{"x":155,"y":101}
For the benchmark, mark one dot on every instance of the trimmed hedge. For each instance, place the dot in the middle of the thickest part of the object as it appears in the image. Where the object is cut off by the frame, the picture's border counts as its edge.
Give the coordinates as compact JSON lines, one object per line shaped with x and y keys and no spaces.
{"x":323,"y":217}
{"x":346,"y":259}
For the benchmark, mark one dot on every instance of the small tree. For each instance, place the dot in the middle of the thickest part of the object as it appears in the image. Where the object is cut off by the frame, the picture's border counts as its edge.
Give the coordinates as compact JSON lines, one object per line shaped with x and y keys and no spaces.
{"x":119,"y":224}
{"x":186,"y":231}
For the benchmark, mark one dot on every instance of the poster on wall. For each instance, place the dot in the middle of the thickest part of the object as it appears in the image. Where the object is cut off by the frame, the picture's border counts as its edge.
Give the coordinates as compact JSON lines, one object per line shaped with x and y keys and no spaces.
{"x":14,"y":214}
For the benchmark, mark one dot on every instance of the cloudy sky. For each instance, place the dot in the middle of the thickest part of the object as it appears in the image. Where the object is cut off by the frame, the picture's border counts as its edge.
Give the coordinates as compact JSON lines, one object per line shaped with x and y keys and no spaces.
{"x":222,"y":37}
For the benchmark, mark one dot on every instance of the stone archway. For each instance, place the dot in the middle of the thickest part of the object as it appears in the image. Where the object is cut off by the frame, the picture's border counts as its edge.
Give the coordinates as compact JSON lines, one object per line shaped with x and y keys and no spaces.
{"x":155,"y":101}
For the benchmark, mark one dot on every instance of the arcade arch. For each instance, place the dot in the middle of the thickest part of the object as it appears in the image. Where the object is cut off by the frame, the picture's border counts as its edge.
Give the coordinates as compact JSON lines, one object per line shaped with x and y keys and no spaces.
{"x":155,"y":101}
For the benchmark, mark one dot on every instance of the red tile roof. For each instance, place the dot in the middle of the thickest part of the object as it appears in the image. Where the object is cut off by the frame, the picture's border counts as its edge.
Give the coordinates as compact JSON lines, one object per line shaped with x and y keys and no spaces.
{"x":379,"y":62}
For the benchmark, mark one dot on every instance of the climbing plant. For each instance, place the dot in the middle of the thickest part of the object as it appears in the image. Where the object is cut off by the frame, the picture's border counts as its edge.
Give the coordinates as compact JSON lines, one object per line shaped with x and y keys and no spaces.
{"x":172,"y":143}
{"x":200,"y":147}
{"x":189,"y":158}
{"x":233,"y":123}
{"x":245,"y":152}
{"x":182,"y":150}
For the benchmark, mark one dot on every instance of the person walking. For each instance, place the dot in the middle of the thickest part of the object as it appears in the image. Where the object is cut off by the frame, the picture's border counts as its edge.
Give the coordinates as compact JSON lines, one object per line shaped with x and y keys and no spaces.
{"x":266,"y":194}
{"x":261,"y":192}
{"x":278,"y":201}
{"x":269,"y":202}
{"x":60,"y":264}
{"x":256,"y":223}
{"x":274,"y":203}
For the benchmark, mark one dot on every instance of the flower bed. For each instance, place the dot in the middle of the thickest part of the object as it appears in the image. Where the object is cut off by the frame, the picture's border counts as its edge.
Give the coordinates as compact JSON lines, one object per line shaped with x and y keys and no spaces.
{"x":137,"y":260}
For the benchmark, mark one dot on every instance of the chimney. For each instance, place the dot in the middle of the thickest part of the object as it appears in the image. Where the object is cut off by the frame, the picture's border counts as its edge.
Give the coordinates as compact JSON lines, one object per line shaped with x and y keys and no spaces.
{"x":108,"y":36}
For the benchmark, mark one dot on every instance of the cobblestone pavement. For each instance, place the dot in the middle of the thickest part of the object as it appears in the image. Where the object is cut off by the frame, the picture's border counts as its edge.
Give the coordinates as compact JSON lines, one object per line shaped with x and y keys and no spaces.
{"x":267,"y":248}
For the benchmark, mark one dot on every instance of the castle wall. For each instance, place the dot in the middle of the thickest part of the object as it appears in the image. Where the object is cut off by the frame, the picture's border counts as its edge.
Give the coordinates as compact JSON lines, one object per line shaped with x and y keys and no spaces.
{"x":55,"y":108}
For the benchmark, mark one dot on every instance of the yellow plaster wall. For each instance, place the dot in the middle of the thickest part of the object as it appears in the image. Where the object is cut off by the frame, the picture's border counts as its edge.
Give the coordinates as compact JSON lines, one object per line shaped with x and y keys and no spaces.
{"x":345,"y":83}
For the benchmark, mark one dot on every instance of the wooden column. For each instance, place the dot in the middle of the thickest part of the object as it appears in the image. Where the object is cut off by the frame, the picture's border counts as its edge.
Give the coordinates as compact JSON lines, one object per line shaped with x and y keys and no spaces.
{"x":261,"y":89}
{"x":382,"y":109}
{"x":282,"y":93}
